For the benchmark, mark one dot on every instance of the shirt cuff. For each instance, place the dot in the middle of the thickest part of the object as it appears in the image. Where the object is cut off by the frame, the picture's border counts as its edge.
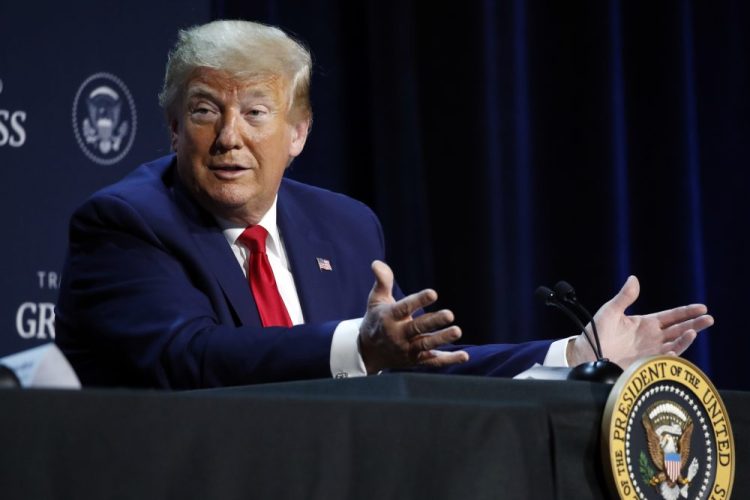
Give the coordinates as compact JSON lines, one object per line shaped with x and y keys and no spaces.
{"x":346,"y":361}
{"x":556,"y":355}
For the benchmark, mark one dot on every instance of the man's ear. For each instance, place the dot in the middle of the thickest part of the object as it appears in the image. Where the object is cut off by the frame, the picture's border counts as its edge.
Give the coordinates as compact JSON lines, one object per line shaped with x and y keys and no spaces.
{"x":173,"y":129}
{"x":299,"y":137}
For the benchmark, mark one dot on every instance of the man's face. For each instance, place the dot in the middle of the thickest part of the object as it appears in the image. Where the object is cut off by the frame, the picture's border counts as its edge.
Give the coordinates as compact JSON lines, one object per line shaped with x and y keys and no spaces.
{"x":233,"y":142}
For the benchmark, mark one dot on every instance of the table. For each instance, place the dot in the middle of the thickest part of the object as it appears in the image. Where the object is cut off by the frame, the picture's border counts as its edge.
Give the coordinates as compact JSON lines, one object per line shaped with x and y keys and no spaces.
{"x":388,"y":437}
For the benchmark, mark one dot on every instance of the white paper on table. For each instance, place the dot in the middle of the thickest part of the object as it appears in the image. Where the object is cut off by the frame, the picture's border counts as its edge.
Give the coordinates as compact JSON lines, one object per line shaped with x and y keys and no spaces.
{"x":43,"y":366}
{"x":539,"y":372}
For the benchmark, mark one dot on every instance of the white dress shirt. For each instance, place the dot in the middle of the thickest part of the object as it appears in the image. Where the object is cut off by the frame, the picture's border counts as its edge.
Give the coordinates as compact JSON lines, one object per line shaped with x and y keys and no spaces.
{"x":345,"y":360}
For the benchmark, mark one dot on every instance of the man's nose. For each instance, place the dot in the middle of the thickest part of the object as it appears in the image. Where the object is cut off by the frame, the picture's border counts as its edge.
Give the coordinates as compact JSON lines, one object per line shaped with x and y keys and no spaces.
{"x":230,"y":135}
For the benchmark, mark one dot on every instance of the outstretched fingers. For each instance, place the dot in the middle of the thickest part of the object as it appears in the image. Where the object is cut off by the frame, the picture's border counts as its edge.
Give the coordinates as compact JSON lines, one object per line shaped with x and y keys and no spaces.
{"x":405,"y":307}
{"x":697,"y":324}
{"x":680,"y":314}
{"x":679,"y":344}
{"x":438,"y":359}
{"x":429,"y":341}
{"x":429,"y":322}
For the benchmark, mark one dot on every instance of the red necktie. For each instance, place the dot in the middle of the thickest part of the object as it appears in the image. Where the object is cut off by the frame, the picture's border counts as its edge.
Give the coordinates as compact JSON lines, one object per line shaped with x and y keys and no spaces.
{"x":270,"y":306}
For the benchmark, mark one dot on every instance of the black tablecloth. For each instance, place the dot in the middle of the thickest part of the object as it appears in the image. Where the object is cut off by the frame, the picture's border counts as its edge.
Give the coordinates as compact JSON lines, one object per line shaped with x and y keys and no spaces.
{"x":393,"y":436}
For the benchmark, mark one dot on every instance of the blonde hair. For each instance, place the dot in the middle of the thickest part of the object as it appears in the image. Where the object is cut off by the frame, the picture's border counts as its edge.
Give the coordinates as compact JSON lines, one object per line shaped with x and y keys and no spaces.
{"x":244,"y":50}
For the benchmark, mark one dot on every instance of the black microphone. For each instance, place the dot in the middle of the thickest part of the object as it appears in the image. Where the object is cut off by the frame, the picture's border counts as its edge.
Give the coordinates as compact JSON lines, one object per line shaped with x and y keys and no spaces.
{"x":550,"y":298}
{"x":601,"y":370}
{"x":567,"y":294}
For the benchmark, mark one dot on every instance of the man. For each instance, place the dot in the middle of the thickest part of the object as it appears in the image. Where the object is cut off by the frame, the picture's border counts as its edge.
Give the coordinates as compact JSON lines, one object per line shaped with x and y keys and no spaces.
{"x":207,"y":268}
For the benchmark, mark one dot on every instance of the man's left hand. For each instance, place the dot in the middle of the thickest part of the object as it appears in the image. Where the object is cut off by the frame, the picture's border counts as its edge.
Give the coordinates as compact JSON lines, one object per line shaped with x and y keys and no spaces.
{"x":627,"y":338}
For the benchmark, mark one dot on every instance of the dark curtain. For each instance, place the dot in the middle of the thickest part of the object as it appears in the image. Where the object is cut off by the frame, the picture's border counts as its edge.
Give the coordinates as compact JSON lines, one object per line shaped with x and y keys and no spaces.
{"x":510,"y":144}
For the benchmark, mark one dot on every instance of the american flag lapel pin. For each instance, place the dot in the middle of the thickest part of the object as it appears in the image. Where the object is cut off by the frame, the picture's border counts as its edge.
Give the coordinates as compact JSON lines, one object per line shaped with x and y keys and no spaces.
{"x":324,"y":264}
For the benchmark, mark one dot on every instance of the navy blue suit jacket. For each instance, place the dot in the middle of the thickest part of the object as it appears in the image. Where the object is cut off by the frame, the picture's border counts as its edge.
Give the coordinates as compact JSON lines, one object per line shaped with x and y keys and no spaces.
{"x":153,"y":296}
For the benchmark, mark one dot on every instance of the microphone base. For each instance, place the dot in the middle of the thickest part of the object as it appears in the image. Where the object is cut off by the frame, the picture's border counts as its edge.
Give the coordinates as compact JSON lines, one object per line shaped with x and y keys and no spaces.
{"x":603,"y":371}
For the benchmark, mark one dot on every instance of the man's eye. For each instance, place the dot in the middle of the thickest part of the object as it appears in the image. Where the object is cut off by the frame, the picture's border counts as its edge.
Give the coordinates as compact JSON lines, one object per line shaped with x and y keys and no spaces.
{"x":256,"y":113}
{"x":203,"y":114}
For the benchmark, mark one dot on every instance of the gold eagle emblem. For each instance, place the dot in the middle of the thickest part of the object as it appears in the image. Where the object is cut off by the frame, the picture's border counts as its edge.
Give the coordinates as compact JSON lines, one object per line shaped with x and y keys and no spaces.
{"x":668,"y":432}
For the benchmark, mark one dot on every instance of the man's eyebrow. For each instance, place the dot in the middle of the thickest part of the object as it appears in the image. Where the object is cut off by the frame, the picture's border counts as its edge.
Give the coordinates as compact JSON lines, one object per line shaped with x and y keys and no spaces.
{"x":201,"y":91}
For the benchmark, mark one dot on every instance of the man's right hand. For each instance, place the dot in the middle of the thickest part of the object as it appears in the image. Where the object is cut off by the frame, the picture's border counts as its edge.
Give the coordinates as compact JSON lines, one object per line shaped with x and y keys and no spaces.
{"x":390,"y":338}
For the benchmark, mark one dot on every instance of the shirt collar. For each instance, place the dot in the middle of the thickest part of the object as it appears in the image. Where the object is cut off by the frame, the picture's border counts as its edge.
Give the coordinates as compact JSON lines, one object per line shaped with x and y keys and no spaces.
{"x":232,"y":231}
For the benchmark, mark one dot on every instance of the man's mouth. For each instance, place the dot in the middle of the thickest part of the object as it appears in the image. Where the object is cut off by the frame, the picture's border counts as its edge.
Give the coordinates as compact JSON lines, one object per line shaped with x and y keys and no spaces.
{"x":228,"y":167}
{"x":228,"y":171}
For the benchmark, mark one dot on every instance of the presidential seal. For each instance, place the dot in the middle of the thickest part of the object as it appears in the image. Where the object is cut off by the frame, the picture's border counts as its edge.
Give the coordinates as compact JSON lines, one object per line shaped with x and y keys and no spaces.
{"x":666,"y":433}
{"x":104,"y":118}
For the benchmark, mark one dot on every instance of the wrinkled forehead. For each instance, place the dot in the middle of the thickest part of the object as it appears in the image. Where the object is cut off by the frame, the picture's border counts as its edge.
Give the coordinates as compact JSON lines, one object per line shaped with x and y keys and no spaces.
{"x":217,"y":83}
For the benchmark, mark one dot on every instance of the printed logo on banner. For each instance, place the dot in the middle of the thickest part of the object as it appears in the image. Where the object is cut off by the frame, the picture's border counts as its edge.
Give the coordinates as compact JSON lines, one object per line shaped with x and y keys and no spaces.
{"x":35,"y":319}
{"x":104,"y":118}
{"x":12,"y":130}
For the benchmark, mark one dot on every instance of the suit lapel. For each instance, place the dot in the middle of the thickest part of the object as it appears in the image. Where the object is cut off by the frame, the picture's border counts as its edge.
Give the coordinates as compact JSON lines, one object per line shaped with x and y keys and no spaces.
{"x":318,"y":289}
{"x":222,"y":263}
{"x":218,"y":258}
